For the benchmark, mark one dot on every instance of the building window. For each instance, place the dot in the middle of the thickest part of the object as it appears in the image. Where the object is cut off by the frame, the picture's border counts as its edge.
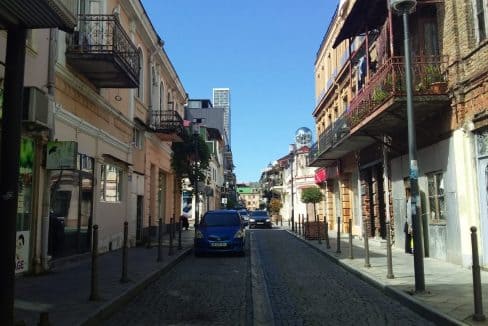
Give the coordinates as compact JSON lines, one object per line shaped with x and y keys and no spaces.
{"x":437,"y":204}
{"x":137,"y":138}
{"x":480,"y":19}
{"x":110,"y":183}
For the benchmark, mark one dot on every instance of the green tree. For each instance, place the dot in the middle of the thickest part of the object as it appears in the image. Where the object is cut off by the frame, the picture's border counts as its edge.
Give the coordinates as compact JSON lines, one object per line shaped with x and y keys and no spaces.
{"x":275,"y":206}
{"x":312,"y":195}
{"x":183,"y":158}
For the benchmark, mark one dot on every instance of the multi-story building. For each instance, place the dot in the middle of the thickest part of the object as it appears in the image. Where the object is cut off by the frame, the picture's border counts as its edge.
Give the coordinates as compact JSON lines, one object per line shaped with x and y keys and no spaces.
{"x":107,"y":104}
{"x":250,"y":197}
{"x":361,"y":121}
{"x":221,"y":99}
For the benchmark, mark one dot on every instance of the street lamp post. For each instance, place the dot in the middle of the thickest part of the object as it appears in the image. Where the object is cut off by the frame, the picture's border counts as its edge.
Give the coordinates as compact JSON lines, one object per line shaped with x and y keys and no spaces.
{"x":292,"y":149}
{"x":404,"y":8}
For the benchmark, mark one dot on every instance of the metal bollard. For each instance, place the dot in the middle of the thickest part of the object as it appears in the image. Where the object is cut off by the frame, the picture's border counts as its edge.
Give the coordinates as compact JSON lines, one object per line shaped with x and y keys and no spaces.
{"x":179,"y":235}
{"x":125,"y":252}
{"x":327,"y":242}
{"x":389,"y":258}
{"x":160,"y":239}
{"x":307,"y":228}
{"x":478,"y":298}
{"x":148,"y":243}
{"x":170,"y":252}
{"x":300,"y":232}
{"x":366,"y":244}
{"x":319,"y":236}
{"x":338,"y":235}
{"x":350,"y":239}
{"x":94,"y":267}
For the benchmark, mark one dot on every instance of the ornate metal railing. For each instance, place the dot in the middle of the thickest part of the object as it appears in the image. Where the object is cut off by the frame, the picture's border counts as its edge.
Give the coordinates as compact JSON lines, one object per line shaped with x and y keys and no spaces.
{"x":428,"y":78}
{"x":314,"y":152}
{"x":167,"y":121}
{"x":103,"y":34}
{"x":329,"y":137}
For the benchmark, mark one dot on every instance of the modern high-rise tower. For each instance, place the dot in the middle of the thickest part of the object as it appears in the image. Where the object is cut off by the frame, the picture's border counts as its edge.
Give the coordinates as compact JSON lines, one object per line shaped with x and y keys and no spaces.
{"x":221,"y":99}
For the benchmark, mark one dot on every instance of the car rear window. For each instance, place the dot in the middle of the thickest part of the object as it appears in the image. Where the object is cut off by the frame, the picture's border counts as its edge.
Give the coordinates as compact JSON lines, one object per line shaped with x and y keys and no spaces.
{"x":221,"y":219}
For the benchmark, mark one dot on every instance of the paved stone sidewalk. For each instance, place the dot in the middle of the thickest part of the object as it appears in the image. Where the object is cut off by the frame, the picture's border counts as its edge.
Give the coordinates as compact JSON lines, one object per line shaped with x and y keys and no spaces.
{"x":64,"y":292}
{"x":449,"y":287}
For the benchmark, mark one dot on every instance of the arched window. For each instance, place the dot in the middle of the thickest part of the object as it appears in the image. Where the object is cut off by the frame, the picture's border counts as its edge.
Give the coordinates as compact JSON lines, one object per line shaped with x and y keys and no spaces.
{"x":140,"y":90}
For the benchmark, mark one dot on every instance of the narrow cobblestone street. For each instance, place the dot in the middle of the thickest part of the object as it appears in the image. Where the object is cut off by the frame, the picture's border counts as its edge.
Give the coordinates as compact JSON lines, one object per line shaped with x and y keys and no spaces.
{"x":304,"y":288}
{"x":209,"y":290}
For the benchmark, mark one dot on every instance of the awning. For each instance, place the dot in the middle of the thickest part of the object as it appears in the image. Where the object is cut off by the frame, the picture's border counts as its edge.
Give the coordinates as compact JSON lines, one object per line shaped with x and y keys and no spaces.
{"x":364,"y":15}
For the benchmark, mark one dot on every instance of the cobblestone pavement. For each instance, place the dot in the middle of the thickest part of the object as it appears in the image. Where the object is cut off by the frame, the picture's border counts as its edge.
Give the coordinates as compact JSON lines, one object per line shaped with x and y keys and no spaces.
{"x":305,"y":288}
{"x":209,"y":290}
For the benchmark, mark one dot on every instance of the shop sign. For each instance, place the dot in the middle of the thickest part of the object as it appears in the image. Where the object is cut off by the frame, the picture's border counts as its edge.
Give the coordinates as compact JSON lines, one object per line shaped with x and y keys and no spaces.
{"x":22,"y":252}
{"x":320,"y":176}
{"x":61,"y":155}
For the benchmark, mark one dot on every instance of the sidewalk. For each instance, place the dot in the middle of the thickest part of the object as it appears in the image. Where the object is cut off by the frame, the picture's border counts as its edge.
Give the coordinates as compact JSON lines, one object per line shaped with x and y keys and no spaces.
{"x":64,"y":292}
{"x":449,"y":287}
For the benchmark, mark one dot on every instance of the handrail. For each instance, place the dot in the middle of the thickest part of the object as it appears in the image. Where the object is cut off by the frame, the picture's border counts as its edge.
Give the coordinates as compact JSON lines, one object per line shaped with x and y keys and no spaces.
{"x":389,"y":81}
{"x":103,"y":34}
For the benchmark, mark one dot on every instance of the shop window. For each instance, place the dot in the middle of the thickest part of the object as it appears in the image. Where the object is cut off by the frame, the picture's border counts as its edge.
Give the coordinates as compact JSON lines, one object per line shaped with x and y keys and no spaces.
{"x":110,"y":183}
{"x":436,"y":195}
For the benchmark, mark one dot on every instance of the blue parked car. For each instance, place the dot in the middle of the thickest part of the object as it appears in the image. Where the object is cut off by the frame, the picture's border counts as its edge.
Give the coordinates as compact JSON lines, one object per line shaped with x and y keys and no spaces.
{"x":220,"y":231}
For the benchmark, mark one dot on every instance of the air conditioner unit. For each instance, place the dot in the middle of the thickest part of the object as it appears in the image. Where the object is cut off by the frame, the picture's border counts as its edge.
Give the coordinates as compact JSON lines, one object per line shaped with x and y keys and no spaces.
{"x":36,"y":112}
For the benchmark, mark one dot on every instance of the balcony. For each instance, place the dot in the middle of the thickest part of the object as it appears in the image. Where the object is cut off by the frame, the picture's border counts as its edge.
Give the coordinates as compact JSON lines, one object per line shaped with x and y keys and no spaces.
{"x":102,"y":51}
{"x":38,"y":14}
{"x":386,"y":90}
{"x":380,"y":108}
{"x":168,"y":125}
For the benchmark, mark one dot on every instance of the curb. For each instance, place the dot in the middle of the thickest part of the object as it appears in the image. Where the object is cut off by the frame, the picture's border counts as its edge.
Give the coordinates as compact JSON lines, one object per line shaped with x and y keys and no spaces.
{"x":111,"y":306}
{"x":407,"y":300}
{"x":262,"y":311}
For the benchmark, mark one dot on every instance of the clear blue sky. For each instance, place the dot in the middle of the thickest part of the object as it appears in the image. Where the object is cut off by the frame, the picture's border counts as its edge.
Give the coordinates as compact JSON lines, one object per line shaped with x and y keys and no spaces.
{"x":263,"y":50}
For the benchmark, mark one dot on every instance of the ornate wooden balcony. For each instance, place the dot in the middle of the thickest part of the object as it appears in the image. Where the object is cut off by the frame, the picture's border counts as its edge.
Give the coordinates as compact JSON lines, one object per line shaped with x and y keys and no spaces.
{"x":167,"y":124}
{"x":102,"y":51}
{"x":387,"y":87}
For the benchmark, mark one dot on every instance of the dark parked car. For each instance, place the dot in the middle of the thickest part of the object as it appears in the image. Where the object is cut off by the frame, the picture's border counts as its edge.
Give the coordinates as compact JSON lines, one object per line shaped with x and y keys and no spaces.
{"x":220,"y":231}
{"x":260,"y":219}
{"x":245,"y":216}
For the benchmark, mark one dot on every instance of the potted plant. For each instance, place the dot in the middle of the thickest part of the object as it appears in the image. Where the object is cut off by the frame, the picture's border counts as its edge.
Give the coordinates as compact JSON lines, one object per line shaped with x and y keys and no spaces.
{"x":434,"y":79}
{"x":379,"y":95}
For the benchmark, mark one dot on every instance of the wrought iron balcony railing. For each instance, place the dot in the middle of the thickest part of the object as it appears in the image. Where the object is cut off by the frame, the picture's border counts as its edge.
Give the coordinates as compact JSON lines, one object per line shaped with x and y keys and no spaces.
{"x":389,"y":81}
{"x":101,"y":39}
{"x":166,"y":122}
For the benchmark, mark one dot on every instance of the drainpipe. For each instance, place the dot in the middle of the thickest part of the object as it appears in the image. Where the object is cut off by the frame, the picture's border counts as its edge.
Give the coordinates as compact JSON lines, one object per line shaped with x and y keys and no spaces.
{"x":46,"y":200}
